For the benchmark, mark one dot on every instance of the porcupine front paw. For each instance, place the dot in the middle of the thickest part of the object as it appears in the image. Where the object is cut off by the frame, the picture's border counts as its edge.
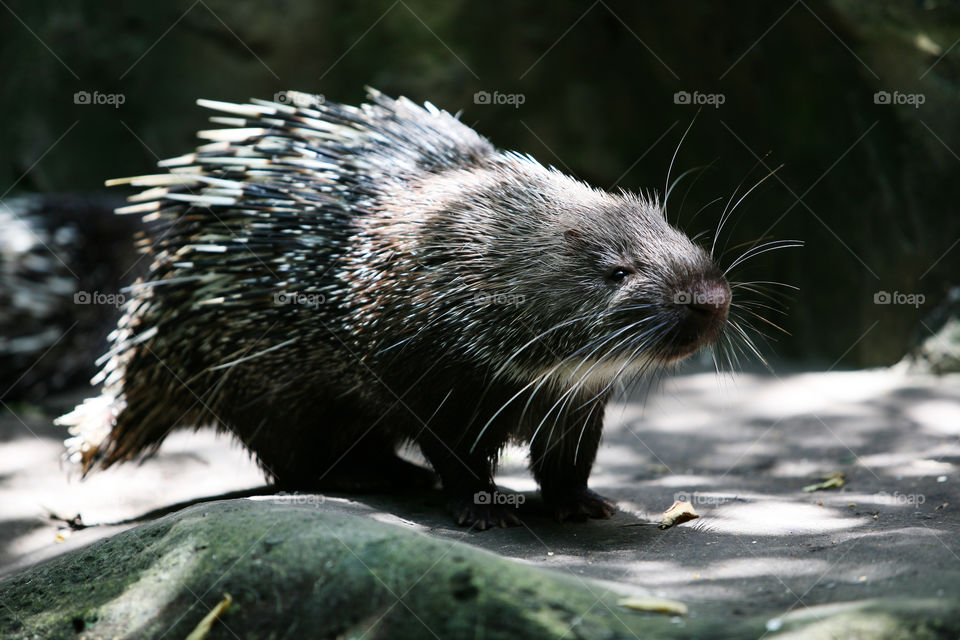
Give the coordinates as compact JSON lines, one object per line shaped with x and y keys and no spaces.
{"x":579,"y":505}
{"x":478,"y":511}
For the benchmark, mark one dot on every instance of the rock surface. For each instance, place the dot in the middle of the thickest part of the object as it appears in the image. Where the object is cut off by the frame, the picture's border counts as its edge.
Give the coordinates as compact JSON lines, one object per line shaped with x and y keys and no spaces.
{"x":294,"y":572}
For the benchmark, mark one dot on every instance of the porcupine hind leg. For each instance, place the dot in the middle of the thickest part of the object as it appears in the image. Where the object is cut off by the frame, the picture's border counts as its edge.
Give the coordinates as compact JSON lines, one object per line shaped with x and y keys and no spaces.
{"x":561,"y":457}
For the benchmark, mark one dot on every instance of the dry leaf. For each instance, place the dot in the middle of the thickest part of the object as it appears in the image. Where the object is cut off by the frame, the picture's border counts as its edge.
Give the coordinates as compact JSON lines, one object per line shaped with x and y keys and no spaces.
{"x":678,"y":513}
{"x":655,"y":605}
{"x":833,"y":481}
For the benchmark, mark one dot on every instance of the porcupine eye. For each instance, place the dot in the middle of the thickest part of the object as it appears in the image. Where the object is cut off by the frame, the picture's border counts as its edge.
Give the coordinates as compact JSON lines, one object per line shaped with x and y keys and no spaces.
{"x":618,"y":274}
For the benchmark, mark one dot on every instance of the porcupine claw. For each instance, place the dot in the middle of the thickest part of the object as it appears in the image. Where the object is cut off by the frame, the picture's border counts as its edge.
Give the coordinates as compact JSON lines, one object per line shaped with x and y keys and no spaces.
{"x":483,"y":516}
{"x":581,"y":505}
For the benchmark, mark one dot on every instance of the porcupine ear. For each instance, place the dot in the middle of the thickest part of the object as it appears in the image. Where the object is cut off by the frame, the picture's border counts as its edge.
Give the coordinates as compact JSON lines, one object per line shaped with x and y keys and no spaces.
{"x":573,"y":237}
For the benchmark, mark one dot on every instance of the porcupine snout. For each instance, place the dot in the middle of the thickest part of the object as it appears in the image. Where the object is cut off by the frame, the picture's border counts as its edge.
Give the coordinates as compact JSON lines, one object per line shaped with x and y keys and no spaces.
{"x":698,"y":308}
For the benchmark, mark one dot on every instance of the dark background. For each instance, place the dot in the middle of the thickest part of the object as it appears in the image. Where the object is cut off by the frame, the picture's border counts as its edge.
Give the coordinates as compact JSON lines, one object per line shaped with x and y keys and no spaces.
{"x":870,"y":188}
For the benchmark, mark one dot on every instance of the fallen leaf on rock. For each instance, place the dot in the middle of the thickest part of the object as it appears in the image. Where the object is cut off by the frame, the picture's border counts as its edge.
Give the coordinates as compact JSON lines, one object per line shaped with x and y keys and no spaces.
{"x":833,"y":481}
{"x":655,"y":605}
{"x":678,"y":513}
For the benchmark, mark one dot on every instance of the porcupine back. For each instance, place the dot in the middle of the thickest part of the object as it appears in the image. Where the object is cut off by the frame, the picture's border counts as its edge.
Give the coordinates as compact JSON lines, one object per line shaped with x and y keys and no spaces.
{"x":246,"y":233}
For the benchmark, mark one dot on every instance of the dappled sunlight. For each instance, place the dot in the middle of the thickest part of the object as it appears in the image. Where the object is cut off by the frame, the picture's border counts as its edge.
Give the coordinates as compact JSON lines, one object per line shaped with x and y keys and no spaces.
{"x":936,"y":416}
{"x":191,"y":465}
{"x":794,"y":425}
{"x":160,"y":585}
{"x":816,"y":393}
{"x":677,"y":480}
{"x":21,"y":454}
{"x":907,"y":463}
{"x":802,"y":468}
{"x":757,"y":566}
{"x":778,"y":517}
{"x":621,"y":452}
{"x":864,"y":501}
{"x":908,"y":537}
{"x":752,"y":566}
{"x":391,"y":518}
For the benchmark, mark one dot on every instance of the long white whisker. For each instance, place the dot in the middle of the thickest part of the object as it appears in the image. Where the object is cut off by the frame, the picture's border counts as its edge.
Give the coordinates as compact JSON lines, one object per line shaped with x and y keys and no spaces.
{"x":579,"y":383}
{"x":543,"y":379}
{"x":757,"y":250}
{"x":702,"y":170}
{"x":666,"y":183}
{"x":583,"y":429}
{"x":642,"y":343}
{"x":727,"y":211}
{"x":749,"y":343}
{"x":735,"y":285}
{"x":584,"y":360}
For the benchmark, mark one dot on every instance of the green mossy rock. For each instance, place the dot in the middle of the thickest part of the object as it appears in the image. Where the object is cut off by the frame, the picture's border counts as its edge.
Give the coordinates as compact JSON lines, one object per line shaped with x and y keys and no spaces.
{"x":299,"y":572}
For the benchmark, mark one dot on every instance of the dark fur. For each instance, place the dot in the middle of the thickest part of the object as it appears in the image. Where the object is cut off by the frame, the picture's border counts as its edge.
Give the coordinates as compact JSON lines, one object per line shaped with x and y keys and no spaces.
{"x":452,"y":296}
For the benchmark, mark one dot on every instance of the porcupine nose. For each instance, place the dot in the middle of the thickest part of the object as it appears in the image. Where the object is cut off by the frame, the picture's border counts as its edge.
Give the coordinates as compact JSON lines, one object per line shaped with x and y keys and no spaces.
{"x":709,"y":298}
{"x":702,"y":306}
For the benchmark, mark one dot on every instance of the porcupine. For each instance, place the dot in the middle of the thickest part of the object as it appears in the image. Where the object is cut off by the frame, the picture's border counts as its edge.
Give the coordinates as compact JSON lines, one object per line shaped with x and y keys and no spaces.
{"x":330,"y":282}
